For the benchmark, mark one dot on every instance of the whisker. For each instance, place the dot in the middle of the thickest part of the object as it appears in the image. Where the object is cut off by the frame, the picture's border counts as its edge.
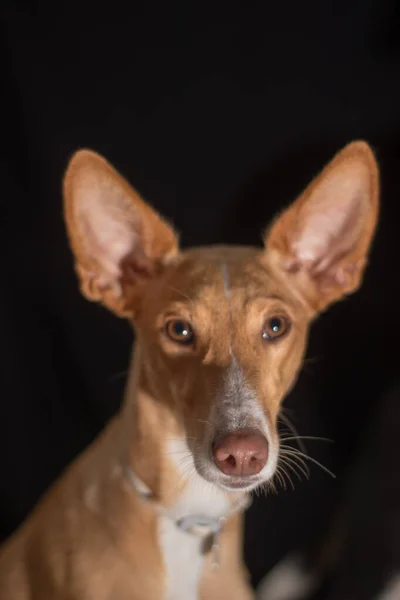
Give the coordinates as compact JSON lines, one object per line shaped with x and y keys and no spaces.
{"x":290,"y":466}
{"x":304,"y":470}
{"x":174,"y":289}
{"x":290,"y":451}
{"x":199,"y":420}
{"x":271,"y":486}
{"x":265,"y":488}
{"x":184,"y":459}
{"x":182,"y":439}
{"x":289,"y":423}
{"x":186,"y":474}
{"x":174,"y":452}
{"x":281,"y":476}
{"x":286,"y":475}
{"x":278,"y":476}
{"x":313,"y":460}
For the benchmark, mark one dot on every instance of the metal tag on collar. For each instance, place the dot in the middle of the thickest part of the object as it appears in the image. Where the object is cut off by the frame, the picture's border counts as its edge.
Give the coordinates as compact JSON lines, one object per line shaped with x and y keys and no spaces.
{"x":216,"y":558}
{"x":199,"y":525}
{"x":138,"y":485}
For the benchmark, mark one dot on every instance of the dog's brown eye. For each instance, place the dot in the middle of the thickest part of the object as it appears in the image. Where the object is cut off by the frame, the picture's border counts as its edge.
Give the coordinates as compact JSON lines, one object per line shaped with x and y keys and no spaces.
{"x":179,"y":331}
{"x":275,"y":328}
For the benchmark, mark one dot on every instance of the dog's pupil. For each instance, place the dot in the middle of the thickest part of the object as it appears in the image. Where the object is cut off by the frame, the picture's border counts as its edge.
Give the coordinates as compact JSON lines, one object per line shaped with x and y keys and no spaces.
{"x":275,"y":325}
{"x":180,"y":329}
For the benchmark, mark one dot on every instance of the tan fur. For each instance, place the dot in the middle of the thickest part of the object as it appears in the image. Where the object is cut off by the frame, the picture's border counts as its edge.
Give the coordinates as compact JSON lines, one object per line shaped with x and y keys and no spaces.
{"x":91,"y":537}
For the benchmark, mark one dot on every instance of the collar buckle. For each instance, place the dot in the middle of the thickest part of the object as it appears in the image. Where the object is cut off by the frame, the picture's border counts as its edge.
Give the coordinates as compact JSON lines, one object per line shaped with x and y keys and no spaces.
{"x":200,"y":525}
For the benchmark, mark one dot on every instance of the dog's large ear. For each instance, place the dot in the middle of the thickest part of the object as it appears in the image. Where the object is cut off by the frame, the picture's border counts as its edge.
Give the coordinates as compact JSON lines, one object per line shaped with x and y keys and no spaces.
{"x":322,"y":240}
{"x":119,"y":242}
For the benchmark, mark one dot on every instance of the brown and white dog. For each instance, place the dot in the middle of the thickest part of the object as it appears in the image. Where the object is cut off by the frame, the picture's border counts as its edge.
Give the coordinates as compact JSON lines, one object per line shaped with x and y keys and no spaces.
{"x":152,"y":509}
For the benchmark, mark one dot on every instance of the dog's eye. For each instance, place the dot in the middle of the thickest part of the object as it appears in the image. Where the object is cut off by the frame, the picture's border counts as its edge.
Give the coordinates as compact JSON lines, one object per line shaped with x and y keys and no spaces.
{"x":275,"y":328}
{"x":179,"y":331}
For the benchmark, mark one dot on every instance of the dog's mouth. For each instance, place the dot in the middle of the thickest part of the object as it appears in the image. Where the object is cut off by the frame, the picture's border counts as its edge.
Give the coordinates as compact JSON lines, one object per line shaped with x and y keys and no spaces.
{"x":229,"y":483}
{"x":243,"y":485}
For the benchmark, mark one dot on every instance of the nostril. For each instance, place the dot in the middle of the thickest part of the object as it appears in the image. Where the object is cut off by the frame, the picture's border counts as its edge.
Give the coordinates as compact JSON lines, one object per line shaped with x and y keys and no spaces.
{"x":231,"y":460}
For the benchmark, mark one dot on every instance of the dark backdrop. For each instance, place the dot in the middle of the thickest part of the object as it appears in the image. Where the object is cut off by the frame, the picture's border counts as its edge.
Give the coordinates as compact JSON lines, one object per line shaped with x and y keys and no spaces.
{"x":219,"y":116}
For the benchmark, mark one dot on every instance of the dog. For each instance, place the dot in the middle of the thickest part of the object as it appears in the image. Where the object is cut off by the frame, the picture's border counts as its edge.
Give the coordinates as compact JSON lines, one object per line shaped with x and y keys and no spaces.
{"x":153,"y":509}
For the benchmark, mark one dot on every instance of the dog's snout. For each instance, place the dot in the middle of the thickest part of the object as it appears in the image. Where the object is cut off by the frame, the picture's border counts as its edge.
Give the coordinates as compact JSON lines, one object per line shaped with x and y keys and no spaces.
{"x":242,"y":453}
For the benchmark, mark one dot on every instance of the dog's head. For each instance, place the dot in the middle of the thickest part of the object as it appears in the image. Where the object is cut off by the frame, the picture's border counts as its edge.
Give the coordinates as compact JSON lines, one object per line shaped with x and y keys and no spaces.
{"x":222,"y":330}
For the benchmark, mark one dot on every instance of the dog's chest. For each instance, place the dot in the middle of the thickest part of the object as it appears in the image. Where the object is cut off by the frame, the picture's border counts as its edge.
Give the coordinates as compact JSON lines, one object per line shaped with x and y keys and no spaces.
{"x":183,"y":560}
{"x":183,"y":551}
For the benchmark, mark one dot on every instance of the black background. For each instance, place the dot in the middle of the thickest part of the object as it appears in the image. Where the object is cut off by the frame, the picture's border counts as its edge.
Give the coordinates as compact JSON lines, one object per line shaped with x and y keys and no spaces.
{"x":219,"y":115}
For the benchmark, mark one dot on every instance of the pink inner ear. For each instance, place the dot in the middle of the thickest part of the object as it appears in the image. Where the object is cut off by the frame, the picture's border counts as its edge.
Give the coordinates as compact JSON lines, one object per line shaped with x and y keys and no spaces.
{"x":117,"y":238}
{"x":327,"y":236}
{"x":329,"y":225}
{"x":112,"y":242}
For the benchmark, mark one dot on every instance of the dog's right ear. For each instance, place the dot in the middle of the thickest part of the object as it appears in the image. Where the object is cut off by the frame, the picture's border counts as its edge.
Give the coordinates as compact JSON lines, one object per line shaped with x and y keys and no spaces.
{"x":118,"y":241}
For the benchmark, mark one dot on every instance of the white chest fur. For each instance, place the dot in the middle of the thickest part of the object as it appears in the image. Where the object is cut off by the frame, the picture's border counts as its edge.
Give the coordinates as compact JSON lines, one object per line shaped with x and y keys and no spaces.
{"x":182,"y":551}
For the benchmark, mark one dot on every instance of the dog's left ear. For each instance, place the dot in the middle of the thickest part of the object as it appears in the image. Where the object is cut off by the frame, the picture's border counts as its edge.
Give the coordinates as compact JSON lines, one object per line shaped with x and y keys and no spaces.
{"x":322,"y":240}
{"x":118,"y":240}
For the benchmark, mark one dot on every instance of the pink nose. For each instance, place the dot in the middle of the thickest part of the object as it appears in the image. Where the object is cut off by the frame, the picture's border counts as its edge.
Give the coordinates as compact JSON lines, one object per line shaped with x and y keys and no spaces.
{"x":242,"y":453}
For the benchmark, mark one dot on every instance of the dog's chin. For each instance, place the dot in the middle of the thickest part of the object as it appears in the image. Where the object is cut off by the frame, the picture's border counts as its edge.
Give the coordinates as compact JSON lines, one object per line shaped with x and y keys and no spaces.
{"x":239,"y":485}
{"x":228,"y":483}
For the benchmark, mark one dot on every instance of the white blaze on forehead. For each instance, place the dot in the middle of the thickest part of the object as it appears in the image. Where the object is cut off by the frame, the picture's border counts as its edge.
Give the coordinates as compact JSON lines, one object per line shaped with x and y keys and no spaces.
{"x":237,"y":406}
{"x":227,"y":283}
{"x":227,"y":291}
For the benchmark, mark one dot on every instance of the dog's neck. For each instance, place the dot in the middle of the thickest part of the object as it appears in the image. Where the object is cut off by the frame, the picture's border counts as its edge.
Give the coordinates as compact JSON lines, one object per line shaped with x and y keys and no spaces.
{"x":147,"y":424}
